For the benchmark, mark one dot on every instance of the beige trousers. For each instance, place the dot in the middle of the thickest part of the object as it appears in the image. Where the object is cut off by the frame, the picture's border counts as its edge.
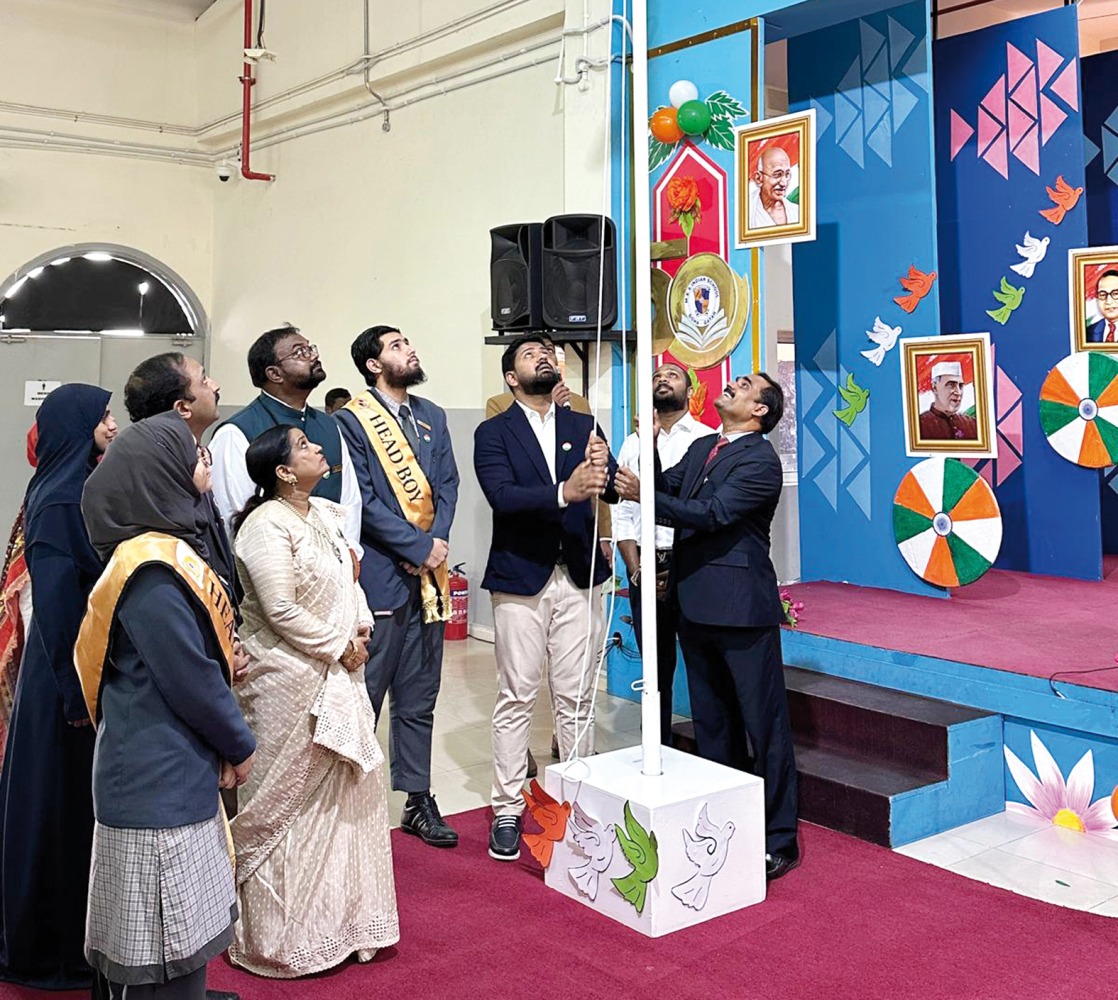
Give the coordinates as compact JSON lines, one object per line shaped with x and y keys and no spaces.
{"x":538,"y":635}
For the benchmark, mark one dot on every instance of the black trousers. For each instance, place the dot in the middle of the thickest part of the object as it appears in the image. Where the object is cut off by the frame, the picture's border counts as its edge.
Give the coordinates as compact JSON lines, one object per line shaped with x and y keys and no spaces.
{"x":667,"y":617}
{"x":192,"y":987}
{"x":739,"y":703}
{"x":406,"y":658}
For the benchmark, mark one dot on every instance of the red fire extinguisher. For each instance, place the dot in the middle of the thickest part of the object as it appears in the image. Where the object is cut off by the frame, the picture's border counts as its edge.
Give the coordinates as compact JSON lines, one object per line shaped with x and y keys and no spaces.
{"x":458,"y":626}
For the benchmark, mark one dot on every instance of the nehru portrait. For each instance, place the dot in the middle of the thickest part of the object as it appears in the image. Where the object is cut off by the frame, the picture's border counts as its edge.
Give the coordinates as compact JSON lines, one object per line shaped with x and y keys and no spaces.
{"x":768,"y":206}
{"x":942,"y":421}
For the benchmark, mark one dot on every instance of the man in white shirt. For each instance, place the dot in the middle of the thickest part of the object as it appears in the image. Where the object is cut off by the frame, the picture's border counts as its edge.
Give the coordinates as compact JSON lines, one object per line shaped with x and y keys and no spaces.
{"x":768,"y":204}
{"x":286,"y":369}
{"x":671,"y":397}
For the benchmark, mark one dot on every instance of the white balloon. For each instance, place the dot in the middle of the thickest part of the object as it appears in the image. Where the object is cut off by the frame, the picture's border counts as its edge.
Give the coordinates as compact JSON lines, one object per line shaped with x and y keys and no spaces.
{"x":681,"y":92}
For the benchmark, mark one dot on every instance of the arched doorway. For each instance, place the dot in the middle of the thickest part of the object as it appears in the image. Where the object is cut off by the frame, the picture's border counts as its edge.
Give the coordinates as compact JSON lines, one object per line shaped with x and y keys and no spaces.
{"x":89,"y":312}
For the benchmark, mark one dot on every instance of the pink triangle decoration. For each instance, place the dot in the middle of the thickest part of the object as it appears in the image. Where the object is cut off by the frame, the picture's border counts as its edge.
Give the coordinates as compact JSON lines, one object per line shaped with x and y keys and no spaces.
{"x":1025,"y":94}
{"x":987,"y":473}
{"x":994,"y":102}
{"x":1019,"y":124}
{"x":1028,"y":150}
{"x":960,"y":133}
{"x":1008,"y":462}
{"x":1066,"y":86}
{"x":1048,"y":60}
{"x":1008,"y":394}
{"x":997,"y":156}
{"x":1051,"y":118}
{"x":1019,"y":64}
{"x":988,"y":131}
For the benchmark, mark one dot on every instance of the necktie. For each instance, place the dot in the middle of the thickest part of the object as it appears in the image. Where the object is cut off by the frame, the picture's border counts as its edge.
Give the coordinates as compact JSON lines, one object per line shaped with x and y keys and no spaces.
{"x":409,"y":428}
{"x":1110,"y":332}
{"x":718,"y":446}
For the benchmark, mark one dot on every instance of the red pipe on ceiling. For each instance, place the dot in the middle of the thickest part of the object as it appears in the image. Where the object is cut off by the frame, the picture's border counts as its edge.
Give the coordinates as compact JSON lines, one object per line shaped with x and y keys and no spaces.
{"x":247,"y":83}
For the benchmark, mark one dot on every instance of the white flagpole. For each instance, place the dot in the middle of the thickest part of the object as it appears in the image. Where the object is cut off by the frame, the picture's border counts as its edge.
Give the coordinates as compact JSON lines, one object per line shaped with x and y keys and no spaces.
{"x":642,"y":236}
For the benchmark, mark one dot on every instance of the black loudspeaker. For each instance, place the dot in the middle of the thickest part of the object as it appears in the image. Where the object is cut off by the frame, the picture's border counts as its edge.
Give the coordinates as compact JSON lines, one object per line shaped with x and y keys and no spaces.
{"x":514,"y":277}
{"x":576,"y":250}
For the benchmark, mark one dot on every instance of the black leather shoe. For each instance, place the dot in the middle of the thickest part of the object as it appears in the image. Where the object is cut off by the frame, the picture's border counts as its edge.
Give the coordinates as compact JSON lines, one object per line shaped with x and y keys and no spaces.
{"x":422,"y":819}
{"x":504,"y":838}
{"x":779,"y":865}
{"x":533,"y":767}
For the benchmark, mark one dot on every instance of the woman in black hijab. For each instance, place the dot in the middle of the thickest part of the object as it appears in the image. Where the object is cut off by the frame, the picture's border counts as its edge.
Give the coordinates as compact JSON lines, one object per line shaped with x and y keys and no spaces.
{"x":46,"y":811}
{"x":154,"y":654}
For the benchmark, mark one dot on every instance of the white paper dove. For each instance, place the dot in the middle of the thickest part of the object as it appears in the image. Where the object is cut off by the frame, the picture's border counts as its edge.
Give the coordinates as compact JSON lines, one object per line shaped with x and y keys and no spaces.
{"x":885,"y":337}
{"x":707,"y":850}
{"x":594,"y":842}
{"x":1033,"y":250}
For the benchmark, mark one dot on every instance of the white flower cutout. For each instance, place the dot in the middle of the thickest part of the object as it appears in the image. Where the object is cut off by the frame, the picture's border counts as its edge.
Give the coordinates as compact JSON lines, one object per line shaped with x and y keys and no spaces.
{"x":1066,"y":804}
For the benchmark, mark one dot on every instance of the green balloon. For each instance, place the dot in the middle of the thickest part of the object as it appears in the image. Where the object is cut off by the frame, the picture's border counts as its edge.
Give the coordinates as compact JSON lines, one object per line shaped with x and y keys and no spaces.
{"x":693,"y":118}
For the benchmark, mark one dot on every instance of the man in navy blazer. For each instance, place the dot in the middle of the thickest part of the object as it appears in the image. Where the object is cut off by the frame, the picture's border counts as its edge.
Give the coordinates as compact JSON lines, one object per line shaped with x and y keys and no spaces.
{"x":721,"y":499}
{"x":406,"y":653}
{"x":1105,"y":330}
{"x":542,"y":468}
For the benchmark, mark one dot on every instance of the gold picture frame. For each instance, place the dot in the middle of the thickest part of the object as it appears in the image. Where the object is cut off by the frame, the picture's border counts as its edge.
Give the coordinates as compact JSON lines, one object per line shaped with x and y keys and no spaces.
{"x":941,"y":419}
{"x":1090,"y":319}
{"x":792,"y":186}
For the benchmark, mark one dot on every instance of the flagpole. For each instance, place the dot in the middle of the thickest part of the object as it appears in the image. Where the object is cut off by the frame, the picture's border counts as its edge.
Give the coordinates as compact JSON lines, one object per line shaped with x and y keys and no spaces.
{"x":651,"y":758}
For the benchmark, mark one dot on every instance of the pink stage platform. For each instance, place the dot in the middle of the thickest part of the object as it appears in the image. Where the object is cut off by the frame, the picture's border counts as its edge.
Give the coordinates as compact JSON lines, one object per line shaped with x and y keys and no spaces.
{"x":1015,"y":622}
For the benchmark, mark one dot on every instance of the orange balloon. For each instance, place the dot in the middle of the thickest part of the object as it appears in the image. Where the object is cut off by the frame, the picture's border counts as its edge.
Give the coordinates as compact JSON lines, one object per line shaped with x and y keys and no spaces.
{"x":1114,"y":802}
{"x":664,"y":126}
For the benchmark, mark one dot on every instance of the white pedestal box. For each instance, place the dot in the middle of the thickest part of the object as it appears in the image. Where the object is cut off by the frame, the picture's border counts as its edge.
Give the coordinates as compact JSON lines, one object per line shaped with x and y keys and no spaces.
{"x":707,"y":856}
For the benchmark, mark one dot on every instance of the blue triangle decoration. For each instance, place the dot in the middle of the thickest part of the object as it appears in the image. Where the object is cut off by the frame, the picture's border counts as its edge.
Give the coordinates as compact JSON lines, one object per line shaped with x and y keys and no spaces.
{"x":860,"y":489}
{"x":904,"y":101}
{"x":1090,"y":152}
{"x":900,"y":38}
{"x":916,"y":69}
{"x":851,"y":145}
{"x":850,"y":86}
{"x":880,"y":140}
{"x":810,"y":452}
{"x":846,"y":114}
{"x":873,"y":41}
{"x":876,"y":107}
{"x":1109,"y":150}
{"x":877,"y":74}
{"x":827,"y":482}
{"x":823,"y":118}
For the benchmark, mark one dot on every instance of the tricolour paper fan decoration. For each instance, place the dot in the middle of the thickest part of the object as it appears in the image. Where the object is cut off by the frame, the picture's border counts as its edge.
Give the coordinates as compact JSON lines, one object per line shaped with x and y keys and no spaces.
{"x":947,"y":522}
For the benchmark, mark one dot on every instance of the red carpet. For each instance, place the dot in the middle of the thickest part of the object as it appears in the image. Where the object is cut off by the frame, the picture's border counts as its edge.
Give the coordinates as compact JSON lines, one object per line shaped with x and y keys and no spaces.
{"x":1016,"y":622}
{"x":853,"y":921}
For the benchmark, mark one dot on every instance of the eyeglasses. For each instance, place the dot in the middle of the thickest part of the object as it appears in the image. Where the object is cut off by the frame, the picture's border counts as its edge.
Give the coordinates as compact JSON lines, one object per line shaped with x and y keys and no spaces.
{"x":304,"y":352}
{"x":205,"y":457}
{"x":778,"y":175}
{"x":1103,"y":296}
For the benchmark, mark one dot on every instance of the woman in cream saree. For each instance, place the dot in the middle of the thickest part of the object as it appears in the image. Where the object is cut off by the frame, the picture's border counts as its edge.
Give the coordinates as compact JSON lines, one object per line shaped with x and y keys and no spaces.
{"x":314,"y":862}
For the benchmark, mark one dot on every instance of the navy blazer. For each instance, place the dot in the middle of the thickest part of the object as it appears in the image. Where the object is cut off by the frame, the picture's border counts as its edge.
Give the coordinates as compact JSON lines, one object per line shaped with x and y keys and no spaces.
{"x":168,"y":718}
{"x":387,"y":537}
{"x":1096,"y":332}
{"x":530,"y":530}
{"x":721,"y":570}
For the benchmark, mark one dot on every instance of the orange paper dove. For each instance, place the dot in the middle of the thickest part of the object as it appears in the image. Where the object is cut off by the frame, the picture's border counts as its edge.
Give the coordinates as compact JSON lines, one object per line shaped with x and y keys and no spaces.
{"x":550,"y":815}
{"x":917,"y":284}
{"x":1064,"y":197}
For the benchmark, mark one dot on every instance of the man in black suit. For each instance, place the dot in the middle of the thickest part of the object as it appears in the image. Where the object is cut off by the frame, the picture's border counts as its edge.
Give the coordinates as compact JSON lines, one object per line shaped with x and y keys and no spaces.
{"x":721,"y":500}
{"x":540,"y":467}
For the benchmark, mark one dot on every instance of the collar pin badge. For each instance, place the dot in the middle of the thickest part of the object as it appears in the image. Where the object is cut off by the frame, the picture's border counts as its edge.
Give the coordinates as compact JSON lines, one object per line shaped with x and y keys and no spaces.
{"x":566,"y":445}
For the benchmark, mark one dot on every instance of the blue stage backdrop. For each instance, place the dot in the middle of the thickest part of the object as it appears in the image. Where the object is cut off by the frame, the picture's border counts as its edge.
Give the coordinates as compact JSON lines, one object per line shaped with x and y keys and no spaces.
{"x":868,"y":80}
{"x":1100,"y":130}
{"x":1008,"y":128}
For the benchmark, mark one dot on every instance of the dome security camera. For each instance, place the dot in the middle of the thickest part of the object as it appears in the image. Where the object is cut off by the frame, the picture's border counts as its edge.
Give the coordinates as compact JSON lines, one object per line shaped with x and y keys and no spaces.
{"x":225,"y":171}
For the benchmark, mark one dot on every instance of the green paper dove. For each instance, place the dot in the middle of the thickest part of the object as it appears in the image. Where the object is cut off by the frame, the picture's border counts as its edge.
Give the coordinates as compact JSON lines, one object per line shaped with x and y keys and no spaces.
{"x":856,"y":398}
{"x":640,"y":850}
{"x":1010,"y":298}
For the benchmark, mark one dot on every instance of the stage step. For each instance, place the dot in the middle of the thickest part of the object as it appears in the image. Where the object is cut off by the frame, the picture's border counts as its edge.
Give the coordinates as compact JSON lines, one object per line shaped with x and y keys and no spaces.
{"x":886,"y":766}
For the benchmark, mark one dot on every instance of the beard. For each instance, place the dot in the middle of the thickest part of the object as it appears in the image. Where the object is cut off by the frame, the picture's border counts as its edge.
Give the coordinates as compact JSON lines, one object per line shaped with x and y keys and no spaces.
{"x":314,"y":377}
{"x":540,"y":383}
{"x":669,"y":402}
{"x":404,"y":378}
